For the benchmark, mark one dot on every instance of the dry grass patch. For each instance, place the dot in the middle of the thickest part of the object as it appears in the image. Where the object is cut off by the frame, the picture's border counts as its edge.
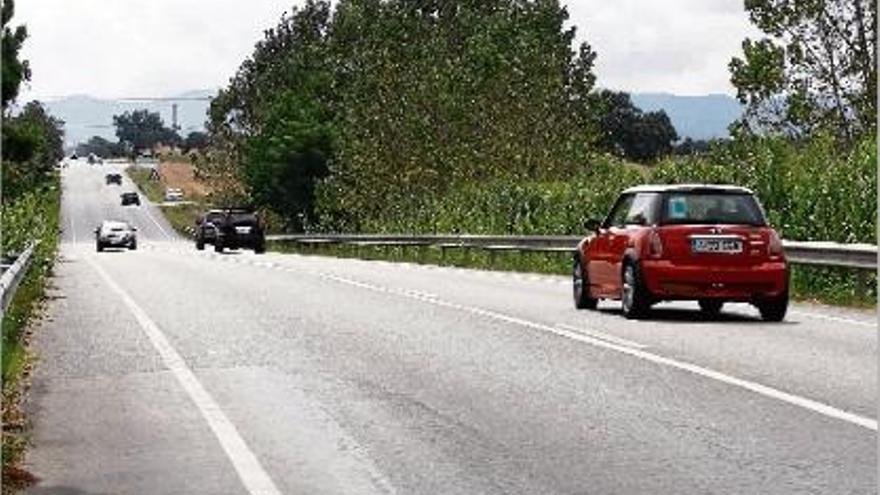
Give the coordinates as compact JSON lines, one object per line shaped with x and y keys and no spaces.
{"x":182,"y":175}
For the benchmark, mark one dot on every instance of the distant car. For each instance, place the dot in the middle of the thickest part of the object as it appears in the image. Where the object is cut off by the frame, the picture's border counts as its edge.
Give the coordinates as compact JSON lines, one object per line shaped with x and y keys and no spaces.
{"x":113,"y":179}
{"x":112,"y":233}
{"x":173,"y":194}
{"x":230,"y":228}
{"x":74,"y":157}
{"x":706,"y":243}
{"x":94,"y":159}
{"x":130,"y":198}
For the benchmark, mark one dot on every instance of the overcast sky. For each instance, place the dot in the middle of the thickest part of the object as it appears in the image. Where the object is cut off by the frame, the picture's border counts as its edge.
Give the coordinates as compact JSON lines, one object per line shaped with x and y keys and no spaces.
{"x":137,"y":48}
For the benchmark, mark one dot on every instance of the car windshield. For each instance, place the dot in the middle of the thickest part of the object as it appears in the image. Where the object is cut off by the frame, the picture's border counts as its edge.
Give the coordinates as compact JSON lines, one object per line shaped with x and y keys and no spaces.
{"x":712,"y":208}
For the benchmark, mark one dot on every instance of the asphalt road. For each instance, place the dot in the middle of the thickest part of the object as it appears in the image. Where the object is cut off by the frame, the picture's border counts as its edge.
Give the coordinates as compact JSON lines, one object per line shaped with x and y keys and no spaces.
{"x":172,"y":371}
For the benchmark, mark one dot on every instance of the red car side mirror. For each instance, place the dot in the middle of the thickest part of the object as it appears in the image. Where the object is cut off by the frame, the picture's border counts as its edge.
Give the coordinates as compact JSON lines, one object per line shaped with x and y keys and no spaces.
{"x":592,"y":225}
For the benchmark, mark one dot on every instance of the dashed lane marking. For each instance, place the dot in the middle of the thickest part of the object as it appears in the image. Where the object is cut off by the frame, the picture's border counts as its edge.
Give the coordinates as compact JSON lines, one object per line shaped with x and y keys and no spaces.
{"x":603,"y":336}
{"x":764,"y":390}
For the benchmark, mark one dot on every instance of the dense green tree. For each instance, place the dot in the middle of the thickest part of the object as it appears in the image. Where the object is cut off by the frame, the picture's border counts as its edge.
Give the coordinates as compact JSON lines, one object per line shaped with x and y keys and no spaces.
{"x":32,"y":140}
{"x":283,"y":162}
{"x":14,"y":70}
{"x":627,"y":131}
{"x":142,"y":130}
{"x":694,"y":146}
{"x":273,"y":122}
{"x":195,"y":140}
{"x":816,"y":68}
{"x":32,"y":145}
{"x":433,"y":94}
{"x":100,"y":147}
{"x":419,"y":96}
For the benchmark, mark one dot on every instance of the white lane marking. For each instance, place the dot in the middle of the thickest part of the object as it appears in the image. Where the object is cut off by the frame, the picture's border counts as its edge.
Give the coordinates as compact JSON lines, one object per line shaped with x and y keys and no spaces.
{"x":251,"y":473}
{"x":838,"y":319}
{"x":150,"y":215}
{"x":72,"y":229}
{"x":603,"y":336}
{"x":767,"y":391}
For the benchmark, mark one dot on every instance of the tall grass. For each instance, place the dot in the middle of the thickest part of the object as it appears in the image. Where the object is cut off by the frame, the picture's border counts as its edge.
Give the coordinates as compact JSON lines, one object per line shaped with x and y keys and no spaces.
{"x":811,"y":191}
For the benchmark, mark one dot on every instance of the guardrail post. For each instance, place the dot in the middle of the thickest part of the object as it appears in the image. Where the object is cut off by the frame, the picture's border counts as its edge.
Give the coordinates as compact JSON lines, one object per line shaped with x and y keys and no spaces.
{"x":862,"y":285}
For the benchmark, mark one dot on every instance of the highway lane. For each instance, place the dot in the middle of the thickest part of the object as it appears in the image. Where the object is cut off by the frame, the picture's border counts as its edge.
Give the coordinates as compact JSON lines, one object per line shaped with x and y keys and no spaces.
{"x":345,"y":376}
{"x":87,"y":200}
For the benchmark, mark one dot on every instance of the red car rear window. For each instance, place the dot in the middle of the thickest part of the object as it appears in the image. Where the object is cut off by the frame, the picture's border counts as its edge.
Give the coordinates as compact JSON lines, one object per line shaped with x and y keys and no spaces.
{"x":711,"y":208}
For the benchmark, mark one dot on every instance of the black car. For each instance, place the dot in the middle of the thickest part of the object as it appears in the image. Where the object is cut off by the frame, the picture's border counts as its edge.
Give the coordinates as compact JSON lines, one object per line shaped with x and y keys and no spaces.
{"x":230,"y":228}
{"x":113,"y":179}
{"x":130,"y":198}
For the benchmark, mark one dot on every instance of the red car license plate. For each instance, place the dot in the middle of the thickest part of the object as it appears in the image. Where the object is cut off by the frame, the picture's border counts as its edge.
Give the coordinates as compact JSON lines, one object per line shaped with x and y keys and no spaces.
{"x":715,"y":245}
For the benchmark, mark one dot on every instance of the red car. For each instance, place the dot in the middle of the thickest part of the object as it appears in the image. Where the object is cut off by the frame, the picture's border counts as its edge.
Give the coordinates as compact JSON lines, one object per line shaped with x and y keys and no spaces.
{"x":706,"y":243}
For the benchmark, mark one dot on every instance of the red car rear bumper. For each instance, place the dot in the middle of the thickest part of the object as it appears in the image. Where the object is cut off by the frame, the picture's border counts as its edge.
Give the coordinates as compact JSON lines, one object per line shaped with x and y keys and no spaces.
{"x":669,"y":280}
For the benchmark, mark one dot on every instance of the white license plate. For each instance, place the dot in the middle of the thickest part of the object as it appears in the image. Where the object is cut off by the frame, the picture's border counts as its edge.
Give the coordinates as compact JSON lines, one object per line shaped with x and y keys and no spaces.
{"x":716,"y":245}
{"x":243,"y":230}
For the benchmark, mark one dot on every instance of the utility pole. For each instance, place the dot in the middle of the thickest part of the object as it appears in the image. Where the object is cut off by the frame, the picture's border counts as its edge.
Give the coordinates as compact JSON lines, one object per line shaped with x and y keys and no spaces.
{"x":174,"y":104}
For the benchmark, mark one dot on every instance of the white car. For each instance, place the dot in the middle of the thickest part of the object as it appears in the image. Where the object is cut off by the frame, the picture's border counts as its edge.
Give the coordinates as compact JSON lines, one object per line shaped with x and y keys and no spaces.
{"x":113,"y":233}
{"x":173,"y":194}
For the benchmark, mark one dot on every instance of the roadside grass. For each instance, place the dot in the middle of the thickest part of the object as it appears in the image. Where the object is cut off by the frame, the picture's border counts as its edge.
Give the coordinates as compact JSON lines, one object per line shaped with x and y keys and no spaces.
{"x":35,"y":217}
{"x":547,"y":263}
{"x":153,"y":189}
{"x":815,"y":284}
{"x":17,"y":364}
{"x":173,"y":174}
{"x":183,"y":216}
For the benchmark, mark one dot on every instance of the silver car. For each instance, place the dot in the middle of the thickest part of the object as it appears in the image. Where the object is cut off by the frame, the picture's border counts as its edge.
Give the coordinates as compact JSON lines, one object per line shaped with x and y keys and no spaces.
{"x":173,"y":194}
{"x":112,"y":233}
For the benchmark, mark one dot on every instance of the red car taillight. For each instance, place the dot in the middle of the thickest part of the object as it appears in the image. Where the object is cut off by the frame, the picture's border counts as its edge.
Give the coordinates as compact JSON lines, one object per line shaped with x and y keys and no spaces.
{"x":774,"y":247}
{"x":655,"y":245}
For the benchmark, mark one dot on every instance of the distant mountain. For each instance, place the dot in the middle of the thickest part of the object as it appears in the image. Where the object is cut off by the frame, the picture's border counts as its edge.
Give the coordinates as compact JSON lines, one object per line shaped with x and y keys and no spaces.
{"x":696,"y":117}
{"x":85,"y":116}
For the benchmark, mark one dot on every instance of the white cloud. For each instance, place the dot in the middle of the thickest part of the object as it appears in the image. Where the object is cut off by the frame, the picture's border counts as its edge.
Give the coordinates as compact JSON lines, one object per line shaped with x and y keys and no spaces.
{"x":115,"y":48}
{"x":676,"y":46}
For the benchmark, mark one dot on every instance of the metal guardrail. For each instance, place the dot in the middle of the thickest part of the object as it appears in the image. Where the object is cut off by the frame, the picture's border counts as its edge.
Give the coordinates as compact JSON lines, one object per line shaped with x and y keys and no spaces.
{"x":13,"y":275}
{"x":860,"y":256}
{"x":856,"y":256}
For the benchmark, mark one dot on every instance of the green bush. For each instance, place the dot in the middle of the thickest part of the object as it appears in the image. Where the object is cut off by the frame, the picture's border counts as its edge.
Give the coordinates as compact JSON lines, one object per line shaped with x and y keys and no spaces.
{"x":33,"y":216}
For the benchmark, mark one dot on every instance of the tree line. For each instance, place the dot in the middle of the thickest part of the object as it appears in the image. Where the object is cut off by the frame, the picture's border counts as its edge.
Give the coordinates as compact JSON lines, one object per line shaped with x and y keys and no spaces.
{"x":138,"y":131}
{"x":353,"y":109}
{"x":32,"y":140}
{"x":364,"y":109}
